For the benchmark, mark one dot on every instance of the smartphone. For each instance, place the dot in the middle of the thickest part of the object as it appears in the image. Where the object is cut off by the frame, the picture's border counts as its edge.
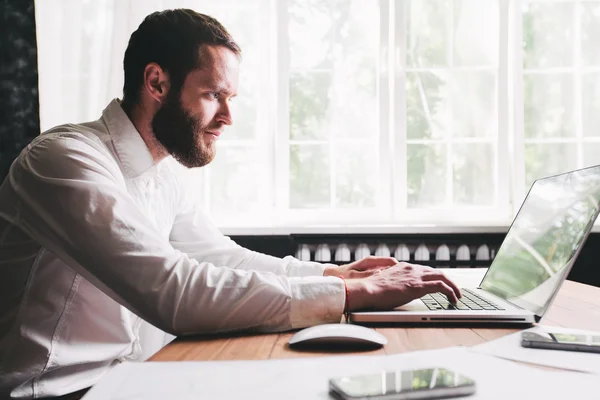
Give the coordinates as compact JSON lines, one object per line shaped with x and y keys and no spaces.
{"x":430,"y":383}
{"x":561,"y":341}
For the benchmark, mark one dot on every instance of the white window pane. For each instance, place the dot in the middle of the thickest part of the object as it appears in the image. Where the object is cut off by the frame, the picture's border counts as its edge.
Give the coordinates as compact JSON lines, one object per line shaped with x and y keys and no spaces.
{"x":426,"y":175}
{"x":473,"y":174}
{"x":474,"y":105}
{"x":544,"y":159}
{"x":354,"y":101}
{"x":235,"y":174}
{"x":479,"y":16}
{"x":590,"y":33}
{"x":325,"y":32}
{"x":338,"y":94}
{"x":591,"y":154}
{"x":591,"y":104}
{"x":548,"y":101}
{"x":548,"y":34}
{"x":309,"y":105}
{"x":243,"y":111}
{"x":427,"y":32}
{"x":440,"y":101}
{"x":356,"y":176}
{"x":310,"y":25}
{"x":320,"y":106}
{"x":309,"y":176}
{"x":427,"y":108}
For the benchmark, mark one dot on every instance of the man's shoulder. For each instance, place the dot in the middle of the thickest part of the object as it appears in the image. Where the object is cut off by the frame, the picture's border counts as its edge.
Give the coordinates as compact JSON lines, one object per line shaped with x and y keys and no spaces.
{"x":68,"y":145}
{"x":91,"y":133}
{"x":71,"y":137}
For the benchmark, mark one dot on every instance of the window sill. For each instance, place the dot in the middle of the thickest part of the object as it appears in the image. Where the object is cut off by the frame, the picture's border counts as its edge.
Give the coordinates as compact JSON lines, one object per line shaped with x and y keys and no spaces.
{"x":364,"y":230}
{"x":358,"y":229}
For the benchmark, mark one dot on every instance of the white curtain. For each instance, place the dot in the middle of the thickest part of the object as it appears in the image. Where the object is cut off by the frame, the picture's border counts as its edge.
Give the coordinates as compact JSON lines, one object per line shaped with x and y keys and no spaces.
{"x":80,"y":54}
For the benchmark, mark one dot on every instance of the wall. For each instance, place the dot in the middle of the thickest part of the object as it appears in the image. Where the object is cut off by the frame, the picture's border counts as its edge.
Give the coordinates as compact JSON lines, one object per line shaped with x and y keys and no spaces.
{"x":19,"y":107}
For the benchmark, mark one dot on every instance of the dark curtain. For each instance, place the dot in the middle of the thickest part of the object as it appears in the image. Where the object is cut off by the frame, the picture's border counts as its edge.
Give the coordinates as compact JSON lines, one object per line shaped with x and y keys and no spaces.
{"x":19,"y":105}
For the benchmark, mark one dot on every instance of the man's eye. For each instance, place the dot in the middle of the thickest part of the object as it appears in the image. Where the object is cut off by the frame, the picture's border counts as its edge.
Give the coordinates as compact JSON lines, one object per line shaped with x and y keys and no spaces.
{"x":214,"y":95}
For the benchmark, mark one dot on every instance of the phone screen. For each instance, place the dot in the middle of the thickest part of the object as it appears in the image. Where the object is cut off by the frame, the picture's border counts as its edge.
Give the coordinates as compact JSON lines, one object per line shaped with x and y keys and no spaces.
{"x":563,"y":338}
{"x":400,"y":382}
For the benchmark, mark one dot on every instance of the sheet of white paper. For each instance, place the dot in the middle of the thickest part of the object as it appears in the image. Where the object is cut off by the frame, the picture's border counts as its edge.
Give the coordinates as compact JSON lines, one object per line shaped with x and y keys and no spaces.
{"x":308,"y":378}
{"x":509,"y":347}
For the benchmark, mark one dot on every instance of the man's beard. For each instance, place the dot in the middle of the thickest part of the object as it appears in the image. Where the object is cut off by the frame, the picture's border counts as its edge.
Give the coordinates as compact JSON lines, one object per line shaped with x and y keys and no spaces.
{"x":181,"y":134}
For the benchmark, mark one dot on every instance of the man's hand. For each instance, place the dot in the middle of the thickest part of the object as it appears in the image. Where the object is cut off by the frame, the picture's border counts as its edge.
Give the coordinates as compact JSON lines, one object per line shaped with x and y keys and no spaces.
{"x":361,"y":268}
{"x":389,"y":288}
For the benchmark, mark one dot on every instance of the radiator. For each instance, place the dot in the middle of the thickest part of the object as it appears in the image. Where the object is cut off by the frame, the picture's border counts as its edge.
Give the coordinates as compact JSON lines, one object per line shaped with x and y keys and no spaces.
{"x":436,"y":255}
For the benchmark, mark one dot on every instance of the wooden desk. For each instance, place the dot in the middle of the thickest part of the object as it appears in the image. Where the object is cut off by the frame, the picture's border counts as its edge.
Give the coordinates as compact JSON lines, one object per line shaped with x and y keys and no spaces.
{"x":576,"y":306}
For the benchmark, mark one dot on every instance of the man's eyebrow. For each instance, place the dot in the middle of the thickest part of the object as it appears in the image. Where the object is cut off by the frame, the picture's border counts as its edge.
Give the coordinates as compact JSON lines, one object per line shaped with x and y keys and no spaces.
{"x":219,"y":88}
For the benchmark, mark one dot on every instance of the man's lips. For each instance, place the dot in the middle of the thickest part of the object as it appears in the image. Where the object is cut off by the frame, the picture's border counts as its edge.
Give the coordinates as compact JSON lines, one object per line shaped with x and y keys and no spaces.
{"x":215,"y":133}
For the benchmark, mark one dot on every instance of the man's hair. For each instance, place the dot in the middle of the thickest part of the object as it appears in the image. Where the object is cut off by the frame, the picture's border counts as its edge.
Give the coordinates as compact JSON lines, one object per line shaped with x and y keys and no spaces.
{"x":170,"y":39}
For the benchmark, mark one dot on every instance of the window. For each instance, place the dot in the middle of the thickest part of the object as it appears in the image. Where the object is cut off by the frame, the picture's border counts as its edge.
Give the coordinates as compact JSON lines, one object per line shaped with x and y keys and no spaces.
{"x":561,"y":86}
{"x":452,"y":134}
{"x":365,"y":111}
{"x":335,"y":73}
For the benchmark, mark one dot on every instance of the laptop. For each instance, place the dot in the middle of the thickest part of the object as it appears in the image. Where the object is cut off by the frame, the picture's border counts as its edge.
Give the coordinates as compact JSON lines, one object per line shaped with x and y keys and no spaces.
{"x":533,"y":261}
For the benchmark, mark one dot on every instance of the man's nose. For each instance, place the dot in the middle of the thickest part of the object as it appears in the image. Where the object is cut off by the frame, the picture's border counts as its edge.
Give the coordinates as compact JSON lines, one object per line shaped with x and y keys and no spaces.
{"x":225,"y":113}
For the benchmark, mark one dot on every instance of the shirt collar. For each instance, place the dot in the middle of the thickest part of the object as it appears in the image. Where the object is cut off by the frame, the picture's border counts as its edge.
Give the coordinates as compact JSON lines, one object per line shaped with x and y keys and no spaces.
{"x":132,"y":152}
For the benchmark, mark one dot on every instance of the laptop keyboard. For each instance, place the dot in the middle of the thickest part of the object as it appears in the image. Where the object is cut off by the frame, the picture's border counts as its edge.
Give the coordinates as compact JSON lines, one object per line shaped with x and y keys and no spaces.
{"x":469,"y":301}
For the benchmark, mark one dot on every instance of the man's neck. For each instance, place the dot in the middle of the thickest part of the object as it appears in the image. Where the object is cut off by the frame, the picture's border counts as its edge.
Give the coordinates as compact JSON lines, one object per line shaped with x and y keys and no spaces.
{"x":141,"y":118}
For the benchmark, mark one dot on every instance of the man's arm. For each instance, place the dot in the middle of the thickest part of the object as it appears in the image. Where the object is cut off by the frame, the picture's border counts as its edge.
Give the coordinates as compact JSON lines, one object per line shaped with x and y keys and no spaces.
{"x":196,"y":235}
{"x":70,"y":196}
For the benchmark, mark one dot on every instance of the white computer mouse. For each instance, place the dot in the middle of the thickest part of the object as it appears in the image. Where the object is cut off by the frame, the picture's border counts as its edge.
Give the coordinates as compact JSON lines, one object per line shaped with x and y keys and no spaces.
{"x":337,"y":335}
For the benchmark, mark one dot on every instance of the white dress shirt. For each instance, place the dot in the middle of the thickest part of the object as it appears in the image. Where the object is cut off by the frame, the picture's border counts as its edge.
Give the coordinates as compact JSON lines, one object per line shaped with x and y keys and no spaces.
{"x":104,"y":255}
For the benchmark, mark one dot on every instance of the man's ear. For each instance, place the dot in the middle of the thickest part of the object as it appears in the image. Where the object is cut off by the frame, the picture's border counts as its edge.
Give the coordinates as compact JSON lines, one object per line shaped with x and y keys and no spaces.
{"x":156,"y":82}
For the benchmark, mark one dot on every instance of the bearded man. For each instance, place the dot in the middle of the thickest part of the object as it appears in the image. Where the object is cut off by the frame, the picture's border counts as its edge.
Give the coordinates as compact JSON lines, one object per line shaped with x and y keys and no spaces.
{"x":105,"y":253}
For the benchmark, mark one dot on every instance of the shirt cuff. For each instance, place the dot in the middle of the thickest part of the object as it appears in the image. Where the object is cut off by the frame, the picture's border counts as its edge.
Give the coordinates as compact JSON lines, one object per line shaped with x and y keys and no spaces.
{"x":299,"y":268}
{"x":316,"y":300}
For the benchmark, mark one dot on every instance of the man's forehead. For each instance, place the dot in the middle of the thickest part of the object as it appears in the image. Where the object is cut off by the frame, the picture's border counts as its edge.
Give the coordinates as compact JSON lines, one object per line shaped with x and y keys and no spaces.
{"x":217,"y":65}
{"x":211,"y":57}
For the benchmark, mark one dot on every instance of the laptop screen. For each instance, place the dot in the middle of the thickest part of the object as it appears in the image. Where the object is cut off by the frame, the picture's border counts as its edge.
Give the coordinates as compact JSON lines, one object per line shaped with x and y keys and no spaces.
{"x":544,"y":239}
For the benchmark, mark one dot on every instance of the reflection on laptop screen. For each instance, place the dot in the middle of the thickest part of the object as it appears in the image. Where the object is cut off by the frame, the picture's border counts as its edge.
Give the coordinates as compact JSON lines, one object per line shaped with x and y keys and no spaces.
{"x":545,"y":238}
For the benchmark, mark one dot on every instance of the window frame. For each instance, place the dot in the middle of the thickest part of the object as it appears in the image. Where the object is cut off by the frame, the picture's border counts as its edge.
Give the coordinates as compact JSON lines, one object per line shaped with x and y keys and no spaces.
{"x":286,"y":216}
{"x":575,"y":71}
{"x":391,"y":206}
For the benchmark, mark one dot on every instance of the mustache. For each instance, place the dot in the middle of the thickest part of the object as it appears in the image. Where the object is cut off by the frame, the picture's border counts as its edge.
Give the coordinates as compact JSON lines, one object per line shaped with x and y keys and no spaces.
{"x":213,"y":127}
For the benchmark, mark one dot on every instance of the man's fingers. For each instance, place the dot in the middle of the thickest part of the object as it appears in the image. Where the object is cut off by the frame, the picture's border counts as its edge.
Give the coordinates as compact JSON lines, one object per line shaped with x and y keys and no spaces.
{"x":439,"y":276}
{"x":442,"y":287}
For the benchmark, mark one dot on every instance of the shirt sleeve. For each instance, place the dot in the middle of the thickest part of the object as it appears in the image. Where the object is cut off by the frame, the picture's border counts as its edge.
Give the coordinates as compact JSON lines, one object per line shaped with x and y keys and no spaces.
{"x":71,"y":197}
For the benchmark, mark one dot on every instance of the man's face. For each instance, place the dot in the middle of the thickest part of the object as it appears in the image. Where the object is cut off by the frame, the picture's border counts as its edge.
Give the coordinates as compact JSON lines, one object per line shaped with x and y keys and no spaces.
{"x":191,"y":120}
